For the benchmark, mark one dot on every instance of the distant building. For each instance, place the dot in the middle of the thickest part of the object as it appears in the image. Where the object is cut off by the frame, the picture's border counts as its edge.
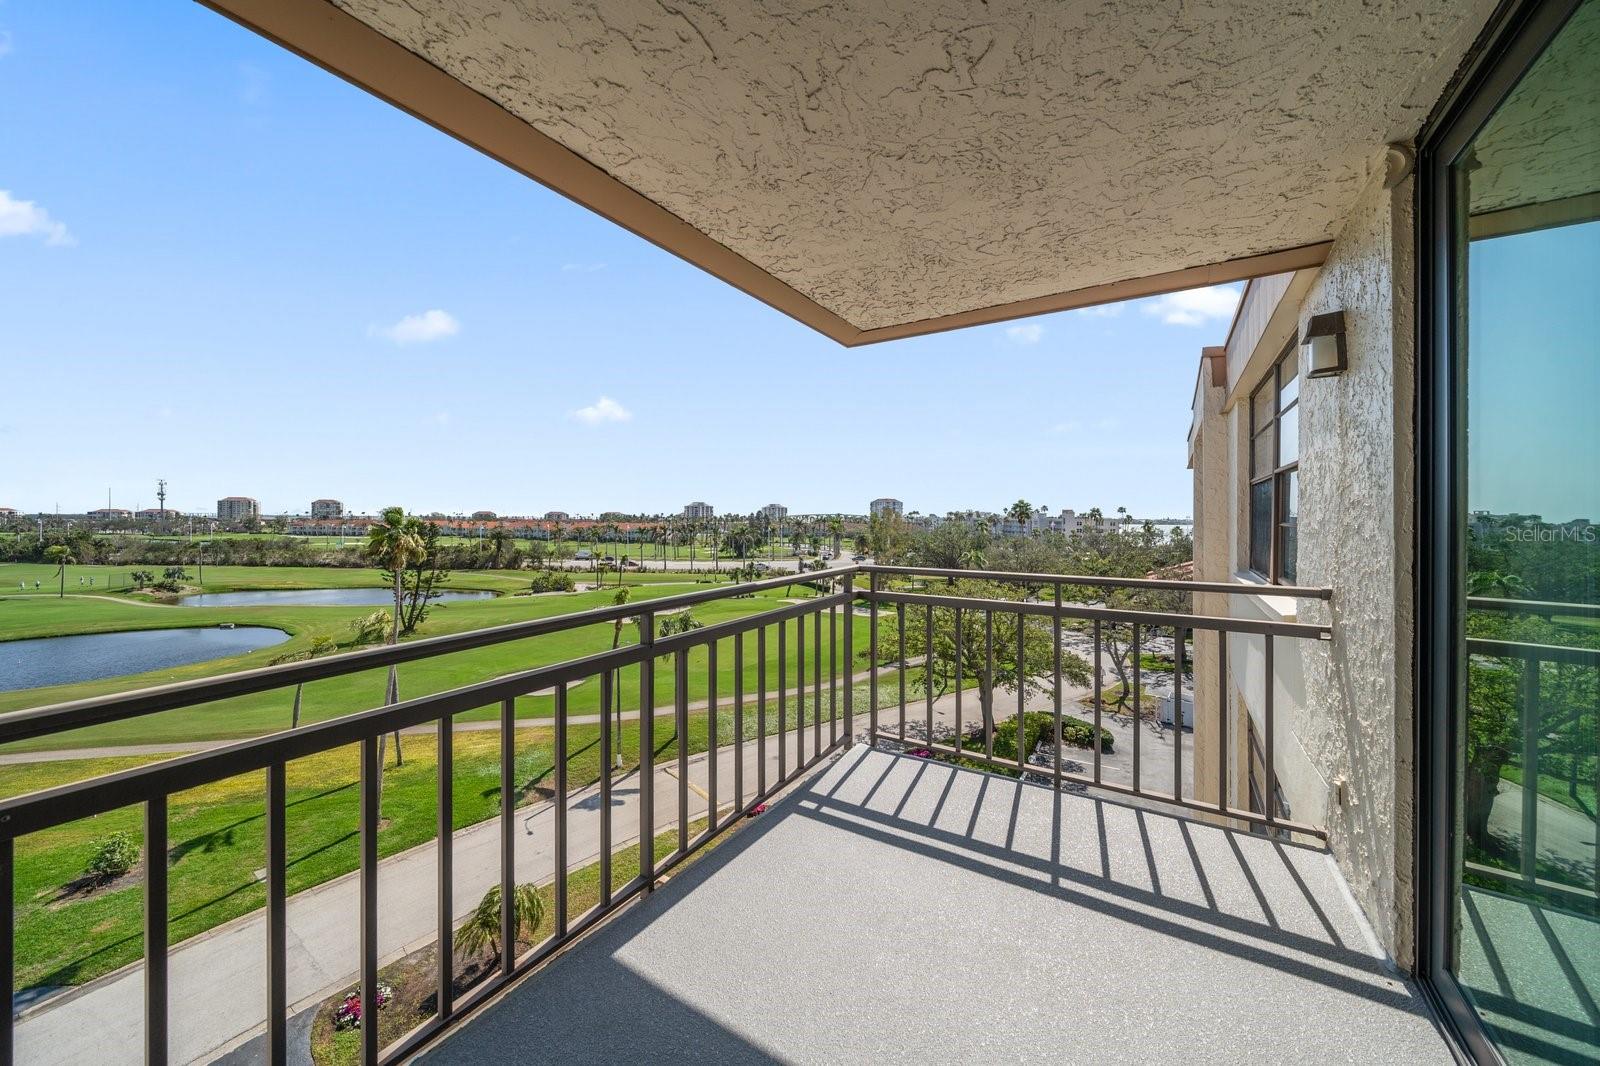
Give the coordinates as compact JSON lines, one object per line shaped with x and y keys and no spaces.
{"x":699,"y":509}
{"x":774,"y":512}
{"x":481,"y":515}
{"x":237,"y":510}
{"x":886,"y":505}
{"x":8,"y":512}
{"x":154,"y":514}
{"x":327,"y":509}
{"x":557,"y":516}
{"x":110,"y":514}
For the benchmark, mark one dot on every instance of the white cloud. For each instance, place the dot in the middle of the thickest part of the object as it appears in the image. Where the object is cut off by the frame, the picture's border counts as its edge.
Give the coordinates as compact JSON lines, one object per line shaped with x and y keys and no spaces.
{"x":603,"y":410}
{"x":419,"y":329}
{"x":440,"y":418}
{"x":24,"y":218}
{"x":1028,"y":333}
{"x":5,"y":42}
{"x":581,"y":268}
{"x":1069,"y":426}
{"x":1195,"y":307}
{"x":252,"y":84}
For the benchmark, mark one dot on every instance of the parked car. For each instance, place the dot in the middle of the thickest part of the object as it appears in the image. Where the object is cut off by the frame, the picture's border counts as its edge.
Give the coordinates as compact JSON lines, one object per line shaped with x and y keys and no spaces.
{"x":858,"y":558}
{"x":763,"y":566}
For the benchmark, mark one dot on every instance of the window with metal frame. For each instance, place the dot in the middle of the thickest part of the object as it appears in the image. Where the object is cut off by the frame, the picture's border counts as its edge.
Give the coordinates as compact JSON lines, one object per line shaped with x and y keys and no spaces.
{"x":1275,"y":469}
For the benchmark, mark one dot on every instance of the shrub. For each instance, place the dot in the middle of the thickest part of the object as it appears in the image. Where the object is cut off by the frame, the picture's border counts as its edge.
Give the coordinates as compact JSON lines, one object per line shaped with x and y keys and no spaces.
{"x":113,"y":857}
{"x":552,"y":581}
{"x":371,"y":628}
{"x":1038,"y":727}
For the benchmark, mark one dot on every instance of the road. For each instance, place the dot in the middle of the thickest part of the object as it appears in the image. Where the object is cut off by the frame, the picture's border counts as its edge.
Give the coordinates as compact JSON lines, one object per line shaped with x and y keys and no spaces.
{"x":217,"y":982}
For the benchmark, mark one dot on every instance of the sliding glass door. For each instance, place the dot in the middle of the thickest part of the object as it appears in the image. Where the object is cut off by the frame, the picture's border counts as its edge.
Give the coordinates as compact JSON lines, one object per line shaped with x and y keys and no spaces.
{"x":1515,"y":539}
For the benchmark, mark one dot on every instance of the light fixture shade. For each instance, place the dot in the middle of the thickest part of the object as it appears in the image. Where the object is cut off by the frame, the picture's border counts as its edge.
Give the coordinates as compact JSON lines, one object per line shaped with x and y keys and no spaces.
{"x":1324,"y":337}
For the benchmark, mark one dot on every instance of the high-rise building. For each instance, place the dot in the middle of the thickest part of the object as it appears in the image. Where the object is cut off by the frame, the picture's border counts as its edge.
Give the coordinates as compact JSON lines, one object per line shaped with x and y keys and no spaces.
{"x":886,"y":505}
{"x":237,"y":510}
{"x":327,"y":509}
{"x":699,"y":509}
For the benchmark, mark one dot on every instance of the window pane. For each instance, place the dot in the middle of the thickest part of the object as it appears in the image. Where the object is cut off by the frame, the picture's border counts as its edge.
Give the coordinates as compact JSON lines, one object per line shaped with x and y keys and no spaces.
{"x":1288,"y":528}
{"x":1261,"y":457}
{"x":1289,"y":379}
{"x":1261,"y":404}
{"x":1525,"y":752}
{"x":1289,"y":436}
{"x":1261,"y":526}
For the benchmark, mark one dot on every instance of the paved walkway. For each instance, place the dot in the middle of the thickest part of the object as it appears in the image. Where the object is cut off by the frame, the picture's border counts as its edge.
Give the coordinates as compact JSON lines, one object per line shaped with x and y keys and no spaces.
{"x":218,"y":980}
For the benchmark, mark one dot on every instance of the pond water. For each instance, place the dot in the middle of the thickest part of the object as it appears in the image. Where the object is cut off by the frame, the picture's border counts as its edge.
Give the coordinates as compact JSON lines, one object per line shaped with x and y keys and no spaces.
{"x":90,"y":656}
{"x":315,"y":598}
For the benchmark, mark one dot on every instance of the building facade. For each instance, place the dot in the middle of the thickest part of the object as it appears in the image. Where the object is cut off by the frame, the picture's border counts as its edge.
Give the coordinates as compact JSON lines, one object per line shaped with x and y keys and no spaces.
{"x":699,"y":509}
{"x":327,"y":509}
{"x":774,"y":512}
{"x":238,"y":510}
{"x":886,"y":505}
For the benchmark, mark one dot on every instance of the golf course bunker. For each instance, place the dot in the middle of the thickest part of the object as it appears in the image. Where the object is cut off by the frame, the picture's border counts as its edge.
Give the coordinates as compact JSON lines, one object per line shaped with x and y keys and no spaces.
{"x":370,"y":597}
{"x":91,"y":656}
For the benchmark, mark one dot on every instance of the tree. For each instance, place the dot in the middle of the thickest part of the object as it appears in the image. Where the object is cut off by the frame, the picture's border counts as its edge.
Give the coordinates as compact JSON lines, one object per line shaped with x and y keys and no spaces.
{"x":1021,"y":513}
{"x":320,"y":644}
{"x":61,"y":557}
{"x":480,"y":933}
{"x":393,"y":543}
{"x":499,"y":540}
{"x":955,"y":664}
{"x":420,"y":578}
{"x":836,"y":531}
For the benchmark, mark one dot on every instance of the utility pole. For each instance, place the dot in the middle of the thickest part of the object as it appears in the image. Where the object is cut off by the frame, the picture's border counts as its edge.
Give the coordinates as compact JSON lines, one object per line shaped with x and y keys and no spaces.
{"x":161,"y":497}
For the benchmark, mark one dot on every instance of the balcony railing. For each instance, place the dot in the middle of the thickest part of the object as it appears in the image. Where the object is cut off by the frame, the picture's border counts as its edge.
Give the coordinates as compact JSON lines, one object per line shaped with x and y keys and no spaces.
{"x":829,"y":654}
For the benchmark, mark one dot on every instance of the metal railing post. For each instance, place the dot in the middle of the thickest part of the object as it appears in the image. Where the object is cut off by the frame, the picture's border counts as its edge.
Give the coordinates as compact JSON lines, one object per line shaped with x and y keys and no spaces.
{"x":872,"y":659}
{"x":647,"y":750}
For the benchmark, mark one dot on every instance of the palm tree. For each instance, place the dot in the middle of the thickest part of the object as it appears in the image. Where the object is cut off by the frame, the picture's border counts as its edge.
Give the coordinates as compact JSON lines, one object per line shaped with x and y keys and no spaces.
{"x":836,"y":531}
{"x":622,"y":595}
{"x":58,"y":554}
{"x":1021,"y":513}
{"x":499,"y":537}
{"x":481,"y":930}
{"x":394,"y":542}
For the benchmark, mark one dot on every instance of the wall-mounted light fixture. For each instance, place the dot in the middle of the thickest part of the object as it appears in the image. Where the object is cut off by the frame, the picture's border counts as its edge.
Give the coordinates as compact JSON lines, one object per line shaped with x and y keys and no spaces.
{"x":1324,"y":337}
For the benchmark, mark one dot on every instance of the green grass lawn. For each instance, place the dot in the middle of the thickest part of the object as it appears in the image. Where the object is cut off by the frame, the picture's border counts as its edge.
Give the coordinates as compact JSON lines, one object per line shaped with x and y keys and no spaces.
{"x":1556,"y":788}
{"x":269,"y":711}
{"x":218,"y":843}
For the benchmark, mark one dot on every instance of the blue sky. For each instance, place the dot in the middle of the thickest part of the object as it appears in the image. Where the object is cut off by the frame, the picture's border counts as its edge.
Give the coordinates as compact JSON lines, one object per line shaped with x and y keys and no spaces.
{"x":225,"y":267}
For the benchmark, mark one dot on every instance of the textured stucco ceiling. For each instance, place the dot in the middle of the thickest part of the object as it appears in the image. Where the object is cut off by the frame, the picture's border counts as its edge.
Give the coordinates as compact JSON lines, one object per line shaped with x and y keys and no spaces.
{"x":900,"y":160}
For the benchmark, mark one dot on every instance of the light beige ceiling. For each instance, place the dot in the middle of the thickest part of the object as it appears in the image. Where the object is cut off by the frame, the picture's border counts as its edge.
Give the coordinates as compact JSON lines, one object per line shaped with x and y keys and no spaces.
{"x":897,"y":162}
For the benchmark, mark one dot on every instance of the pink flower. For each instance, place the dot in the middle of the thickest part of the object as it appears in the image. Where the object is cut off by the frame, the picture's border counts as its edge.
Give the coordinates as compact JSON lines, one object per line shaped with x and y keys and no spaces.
{"x":760,"y":808}
{"x":920,"y":753}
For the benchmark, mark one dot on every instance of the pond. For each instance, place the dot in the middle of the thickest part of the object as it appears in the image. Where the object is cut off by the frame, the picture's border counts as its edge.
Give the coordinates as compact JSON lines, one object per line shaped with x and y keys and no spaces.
{"x":91,"y":656}
{"x":315,"y":598}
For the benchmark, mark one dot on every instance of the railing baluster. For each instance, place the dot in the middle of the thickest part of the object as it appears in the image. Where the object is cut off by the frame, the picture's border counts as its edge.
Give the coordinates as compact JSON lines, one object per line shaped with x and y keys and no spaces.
{"x":927,"y":671}
{"x":900,"y":664}
{"x":155,"y":931}
{"x":608,"y":681}
{"x":680,"y":729}
{"x":444,"y":834}
{"x":959,"y":668}
{"x":816,"y":686}
{"x":988,"y":684}
{"x":508,"y":836}
{"x":833,"y":676}
{"x":1094,"y":669}
{"x":800,"y":694}
{"x":1270,"y":801}
{"x":1055,"y":648}
{"x":561,"y":808}
{"x":1022,"y":691}
{"x":1177,"y":712}
{"x":277,"y":932}
{"x":371,"y":798}
{"x":761,"y":711}
{"x":1222,"y":718}
{"x":647,"y":753}
{"x":783,"y":702}
{"x":872,"y":659}
{"x":1531,"y":716}
{"x":738,"y":722}
{"x":711,"y":737}
{"x":8,"y":947}
{"x":1138,"y":719}
{"x":849,"y":659}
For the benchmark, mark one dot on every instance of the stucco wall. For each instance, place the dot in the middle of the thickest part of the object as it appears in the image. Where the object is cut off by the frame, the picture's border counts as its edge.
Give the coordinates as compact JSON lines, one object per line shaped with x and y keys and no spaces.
{"x":1356,"y":483}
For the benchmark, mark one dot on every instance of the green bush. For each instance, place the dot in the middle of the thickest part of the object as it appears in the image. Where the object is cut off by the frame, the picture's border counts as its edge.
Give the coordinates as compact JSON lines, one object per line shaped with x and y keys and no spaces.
{"x":113,"y":857}
{"x":552,"y":581}
{"x":1038,"y":728}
